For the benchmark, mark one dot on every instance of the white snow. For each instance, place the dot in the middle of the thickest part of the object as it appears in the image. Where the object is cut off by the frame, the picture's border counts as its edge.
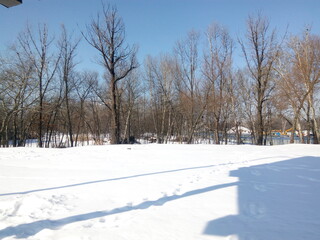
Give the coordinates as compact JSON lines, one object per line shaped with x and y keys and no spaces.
{"x":161,"y":192}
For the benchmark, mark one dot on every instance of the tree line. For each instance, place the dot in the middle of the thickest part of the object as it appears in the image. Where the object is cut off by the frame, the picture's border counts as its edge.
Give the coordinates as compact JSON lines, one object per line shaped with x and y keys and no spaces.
{"x":191,"y":94}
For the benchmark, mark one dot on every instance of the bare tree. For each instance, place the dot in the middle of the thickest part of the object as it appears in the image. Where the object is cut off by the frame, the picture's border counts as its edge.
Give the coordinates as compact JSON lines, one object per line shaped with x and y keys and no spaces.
{"x":306,"y":52}
{"x":68,"y":48}
{"x":107,"y":35}
{"x":217,"y":70}
{"x":160,"y":75}
{"x":132,"y":89}
{"x":237,"y":95}
{"x":247,"y":99}
{"x":188,"y":83}
{"x":299,"y":75}
{"x":16,"y":95}
{"x":84,"y":86}
{"x":37,"y":48}
{"x":291,"y":91}
{"x":261,"y":51}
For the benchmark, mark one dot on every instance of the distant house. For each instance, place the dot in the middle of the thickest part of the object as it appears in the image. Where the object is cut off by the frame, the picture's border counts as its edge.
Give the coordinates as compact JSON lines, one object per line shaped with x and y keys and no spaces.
{"x":277,"y":132}
{"x":10,"y":3}
{"x":306,"y":133}
{"x":241,"y":129}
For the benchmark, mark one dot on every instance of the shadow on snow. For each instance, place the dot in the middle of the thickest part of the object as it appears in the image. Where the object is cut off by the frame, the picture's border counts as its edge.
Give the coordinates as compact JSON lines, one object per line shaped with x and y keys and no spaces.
{"x":29,"y":229}
{"x":123,"y":178}
{"x":276,"y":201}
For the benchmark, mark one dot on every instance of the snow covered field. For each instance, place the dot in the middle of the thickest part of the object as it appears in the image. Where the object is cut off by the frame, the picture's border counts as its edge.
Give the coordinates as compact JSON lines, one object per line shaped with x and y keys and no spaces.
{"x":161,"y":192}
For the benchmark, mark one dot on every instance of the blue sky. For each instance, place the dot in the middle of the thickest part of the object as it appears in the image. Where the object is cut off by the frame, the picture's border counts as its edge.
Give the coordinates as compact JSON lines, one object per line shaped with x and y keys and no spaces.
{"x":155,"y":25}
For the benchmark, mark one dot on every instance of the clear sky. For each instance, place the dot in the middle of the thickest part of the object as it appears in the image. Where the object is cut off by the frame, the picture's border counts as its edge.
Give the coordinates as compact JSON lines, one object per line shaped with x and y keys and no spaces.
{"x":155,"y":25}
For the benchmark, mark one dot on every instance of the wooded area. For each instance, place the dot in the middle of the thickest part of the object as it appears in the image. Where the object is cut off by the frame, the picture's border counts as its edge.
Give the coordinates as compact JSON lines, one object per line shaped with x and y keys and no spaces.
{"x":192,"y":94}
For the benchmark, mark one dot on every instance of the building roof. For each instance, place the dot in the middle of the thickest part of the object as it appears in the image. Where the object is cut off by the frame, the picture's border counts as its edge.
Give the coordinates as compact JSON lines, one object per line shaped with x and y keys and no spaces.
{"x":10,"y":3}
{"x":242,"y":129}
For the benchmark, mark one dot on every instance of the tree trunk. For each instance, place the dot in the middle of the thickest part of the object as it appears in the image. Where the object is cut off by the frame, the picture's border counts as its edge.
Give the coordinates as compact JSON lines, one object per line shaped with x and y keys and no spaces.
{"x":216,"y":131}
{"x":260,"y":127}
{"x":300,"y":132}
{"x":127,"y":125}
{"x":294,"y":127}
{"x":70,"y":132}
{"x":115,"y":123}
{"x":40,"y":124}
{"x":314,"y":124}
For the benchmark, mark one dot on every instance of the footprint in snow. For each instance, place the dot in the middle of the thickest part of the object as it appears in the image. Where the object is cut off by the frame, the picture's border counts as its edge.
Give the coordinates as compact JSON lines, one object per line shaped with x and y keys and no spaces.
{"x":308,"y":178}
{"x":164,"y":194}
{"x":256,"y":210}
{"x":16,"y":208}
{"x":255,"y":172}
{"x":233,"y":237}
{"x":176,"y":191}
{"x":246,"y":237}
{"x":87,"y":225}
{"x":273,"y":168}
{"x":260,"y":187}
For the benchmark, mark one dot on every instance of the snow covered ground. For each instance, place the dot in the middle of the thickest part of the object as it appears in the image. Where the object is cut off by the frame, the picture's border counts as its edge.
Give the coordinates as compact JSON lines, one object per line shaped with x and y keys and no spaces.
{"x":161,"y":192}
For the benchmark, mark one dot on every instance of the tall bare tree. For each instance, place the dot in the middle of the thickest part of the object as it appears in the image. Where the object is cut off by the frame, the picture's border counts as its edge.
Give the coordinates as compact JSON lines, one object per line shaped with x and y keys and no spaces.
{"x":16,"y":96}
{"x":38,"y":48}
{"x":189,"y":83}
{"x":106,"y":34}
{"x":306,"y":50}
{"x":290,"y":89}
{"x":299,"y":71}
{"x":68,"y":48}
{"x":132,"y":89}
{"x":217,"y":71}
{"x":260,"y":51}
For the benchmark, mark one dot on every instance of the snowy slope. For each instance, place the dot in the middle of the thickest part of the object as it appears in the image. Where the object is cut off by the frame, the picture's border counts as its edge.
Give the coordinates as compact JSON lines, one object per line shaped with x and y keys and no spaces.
{"x":157,"y":192}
